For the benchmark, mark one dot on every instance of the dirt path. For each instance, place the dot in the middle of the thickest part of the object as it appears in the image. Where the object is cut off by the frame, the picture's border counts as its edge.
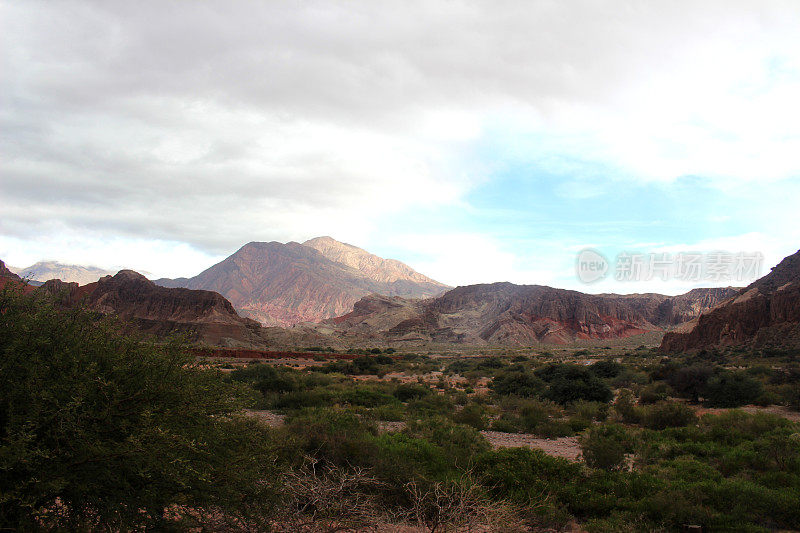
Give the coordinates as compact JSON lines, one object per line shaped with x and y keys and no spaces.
{"x":566,"y":447}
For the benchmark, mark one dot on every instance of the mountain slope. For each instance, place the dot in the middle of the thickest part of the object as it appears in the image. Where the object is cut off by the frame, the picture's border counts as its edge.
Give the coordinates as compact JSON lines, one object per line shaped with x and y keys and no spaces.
{"x":284,"y":284}
{"x":9,"y":278}
{"x":767,"y":312}
{"x":45,"y":270}
{"x":161,"y":311}
{"x":504,"y":313}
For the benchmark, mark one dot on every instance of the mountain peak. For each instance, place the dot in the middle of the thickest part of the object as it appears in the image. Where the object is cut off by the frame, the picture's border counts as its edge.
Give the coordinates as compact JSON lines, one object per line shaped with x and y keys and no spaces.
{"x":284,"y":284}
{"x":47,"y":270}
{"x":373,"y":267}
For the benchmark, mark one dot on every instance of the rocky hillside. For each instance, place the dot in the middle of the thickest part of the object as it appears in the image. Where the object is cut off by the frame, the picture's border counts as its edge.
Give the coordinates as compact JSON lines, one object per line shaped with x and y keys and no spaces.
{"x":766,"y":313}
{"x":504,"y":313}
{"x":161,"y":311}
{"x":7,"y":277}
{"x":667,"y":311}
{"x":45,"y":270}
{"x":283,"y":284}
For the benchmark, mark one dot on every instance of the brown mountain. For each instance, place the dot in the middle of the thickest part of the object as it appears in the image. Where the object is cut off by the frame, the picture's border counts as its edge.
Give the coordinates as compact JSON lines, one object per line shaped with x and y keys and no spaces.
{"x":767,"y":312}
{"x":161,"y":311}
{"x":284,"y":284}
{"x":504,"y":313}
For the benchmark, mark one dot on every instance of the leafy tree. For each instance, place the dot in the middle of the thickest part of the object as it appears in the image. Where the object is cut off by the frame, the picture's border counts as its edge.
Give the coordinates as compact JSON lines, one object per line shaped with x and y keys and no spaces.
{"x":690,"y":381}
{"x":101,"y":431}
{"x":606,"y":369}
{"x":732,"y":389}
{"x":570,"y":383}
{"x":518,"y":384}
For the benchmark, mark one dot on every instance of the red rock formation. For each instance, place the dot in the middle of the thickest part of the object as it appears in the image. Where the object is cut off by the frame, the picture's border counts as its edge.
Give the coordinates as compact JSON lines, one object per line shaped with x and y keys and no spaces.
{"x":767,"y":312}
{"x":8,"y":278}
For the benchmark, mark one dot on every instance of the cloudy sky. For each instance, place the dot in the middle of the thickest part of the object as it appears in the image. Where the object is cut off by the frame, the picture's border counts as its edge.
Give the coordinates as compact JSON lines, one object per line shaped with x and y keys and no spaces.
{"x":476,"y":141}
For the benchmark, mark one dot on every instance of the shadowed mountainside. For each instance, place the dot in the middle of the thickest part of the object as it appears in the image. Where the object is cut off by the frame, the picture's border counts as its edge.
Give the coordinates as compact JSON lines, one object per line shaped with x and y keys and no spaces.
{"x":765,"y":313}
{"x":161,"y":311}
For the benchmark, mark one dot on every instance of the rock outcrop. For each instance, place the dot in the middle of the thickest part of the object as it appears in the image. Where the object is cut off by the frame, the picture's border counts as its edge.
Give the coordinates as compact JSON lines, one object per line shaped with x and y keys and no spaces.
{"x":138,"y":302}
{"x":284,"y":284}
{"x":765,"y":313}
{"x":8,"y":278}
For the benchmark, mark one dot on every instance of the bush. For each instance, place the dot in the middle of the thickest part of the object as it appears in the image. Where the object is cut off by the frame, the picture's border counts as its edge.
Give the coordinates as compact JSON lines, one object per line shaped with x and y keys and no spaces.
{"x":517,"y":384}
{"x":507,"y":423}
{"x":589,"y":410}
{"x":473,"y":415}
{"x":570,"y":383}
{"x":689,"y":382}
{"x":106,"y":432}
{"x":410,"y":391}
{"x":333,"y":435}
{"x":367,"y":397}
{"x":606,"y":369}
{"x":625,"y":407}
{"x":604,"y":447}
{"x":668,"y":415}
{"x":732,"y":389}
{"x":657,"y":392}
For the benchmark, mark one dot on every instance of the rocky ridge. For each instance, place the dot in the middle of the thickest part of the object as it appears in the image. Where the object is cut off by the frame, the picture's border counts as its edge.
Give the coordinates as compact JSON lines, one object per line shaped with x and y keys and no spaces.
{"x":765,"y":313}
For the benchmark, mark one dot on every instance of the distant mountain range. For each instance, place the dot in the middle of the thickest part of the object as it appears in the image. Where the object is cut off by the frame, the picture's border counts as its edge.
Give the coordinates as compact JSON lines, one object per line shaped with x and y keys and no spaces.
{"x":357,"y":298}
{"x":281,"y":284}
{"x":45,"y":270}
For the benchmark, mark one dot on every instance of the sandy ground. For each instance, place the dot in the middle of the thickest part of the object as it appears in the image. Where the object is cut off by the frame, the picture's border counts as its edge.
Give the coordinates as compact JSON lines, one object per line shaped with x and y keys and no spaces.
{"x":566,"y":447}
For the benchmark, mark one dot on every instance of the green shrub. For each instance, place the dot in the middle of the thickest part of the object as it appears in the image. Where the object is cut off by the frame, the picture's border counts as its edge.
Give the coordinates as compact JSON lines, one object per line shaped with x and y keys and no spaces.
{"x":606,"y":369}
{"x":569,"y":383}
{"x":473,"y":415}
{"x":410,"y":391}
{"x":668,"y":415}
{"x":732,"y":389}
{"x":604,"y":447}
{"x":518,"y":384}
{"x":389,"y":413}
{"x":625,"y":407}
{"x":334,"y":435}
{"x":106,"y":432}
{"x":507,"y":423}
{"x":430,"y":405}
{"x":689,"y":382}
{"x":589,"y":410}
{"x":657,"y":392}
{"x":367,"y":397}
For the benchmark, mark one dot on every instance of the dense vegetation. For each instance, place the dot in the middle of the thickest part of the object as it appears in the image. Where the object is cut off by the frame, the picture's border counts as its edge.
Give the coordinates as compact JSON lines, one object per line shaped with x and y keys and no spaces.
{"x":100,"y":431}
